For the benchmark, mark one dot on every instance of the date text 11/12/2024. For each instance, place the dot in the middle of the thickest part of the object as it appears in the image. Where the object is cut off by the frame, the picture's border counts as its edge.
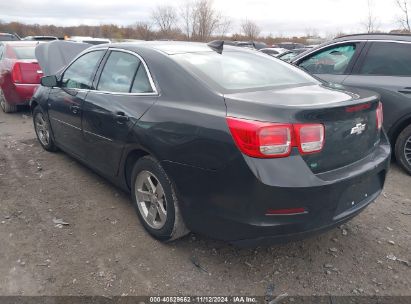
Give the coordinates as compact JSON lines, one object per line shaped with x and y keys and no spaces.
{"x":204,"y":299}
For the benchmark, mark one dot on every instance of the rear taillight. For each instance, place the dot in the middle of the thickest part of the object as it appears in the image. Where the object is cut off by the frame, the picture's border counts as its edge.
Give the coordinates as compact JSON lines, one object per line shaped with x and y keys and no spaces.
{"x":310,"y":137}
{"x":380,"y":116}
{"x":272,"y":140}
{"x":261,"y":139}
{"x":16,"y":74}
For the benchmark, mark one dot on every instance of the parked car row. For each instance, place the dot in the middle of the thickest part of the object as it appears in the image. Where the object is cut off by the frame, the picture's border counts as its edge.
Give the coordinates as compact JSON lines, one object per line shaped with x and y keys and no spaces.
{"x":247,"y":44}
{"x":290,"y":45}
{"x":216,"y":139}
{"x":82,"y":39}
{"x":284,"y":54}
{"x":19,"y":71}
{"x":290,"y":55}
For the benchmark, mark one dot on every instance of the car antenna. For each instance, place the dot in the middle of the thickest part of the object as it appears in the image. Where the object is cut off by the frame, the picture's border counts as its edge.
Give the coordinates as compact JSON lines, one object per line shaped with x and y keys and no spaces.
{"x":217,"y":46}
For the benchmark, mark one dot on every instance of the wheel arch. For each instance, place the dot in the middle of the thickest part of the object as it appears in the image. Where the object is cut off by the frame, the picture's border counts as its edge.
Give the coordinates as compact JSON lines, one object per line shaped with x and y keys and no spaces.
{"x":132,"y":157}
{"x":398,"y":128}
{"x":33,"y":104}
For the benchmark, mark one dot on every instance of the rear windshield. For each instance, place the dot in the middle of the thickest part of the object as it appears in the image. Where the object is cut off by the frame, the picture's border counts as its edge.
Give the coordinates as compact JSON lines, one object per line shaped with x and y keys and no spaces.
{"x":24,"y":52}
{"x":241,"y":71}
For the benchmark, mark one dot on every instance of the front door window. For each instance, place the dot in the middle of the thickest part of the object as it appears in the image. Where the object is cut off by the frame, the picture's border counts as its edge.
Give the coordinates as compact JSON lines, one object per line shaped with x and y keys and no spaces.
{"x":334,"y":60}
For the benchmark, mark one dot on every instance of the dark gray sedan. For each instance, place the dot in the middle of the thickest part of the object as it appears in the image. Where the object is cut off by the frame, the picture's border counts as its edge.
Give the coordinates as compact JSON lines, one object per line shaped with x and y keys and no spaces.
{"x":220,"y":140}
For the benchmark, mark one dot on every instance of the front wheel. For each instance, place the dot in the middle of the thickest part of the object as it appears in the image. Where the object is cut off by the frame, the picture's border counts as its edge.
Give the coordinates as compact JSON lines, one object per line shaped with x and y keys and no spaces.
{"x":155,"y":200}
{"x":43,"y":130}
{"x":403,"y":149}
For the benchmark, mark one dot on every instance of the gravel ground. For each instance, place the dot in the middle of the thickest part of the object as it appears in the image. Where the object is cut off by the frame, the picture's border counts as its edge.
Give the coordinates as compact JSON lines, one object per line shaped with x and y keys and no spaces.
{"x":103,"y":249}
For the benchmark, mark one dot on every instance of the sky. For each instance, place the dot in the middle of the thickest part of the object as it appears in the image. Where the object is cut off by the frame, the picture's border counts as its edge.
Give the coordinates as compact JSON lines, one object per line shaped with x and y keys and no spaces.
{"x":278,"y":17}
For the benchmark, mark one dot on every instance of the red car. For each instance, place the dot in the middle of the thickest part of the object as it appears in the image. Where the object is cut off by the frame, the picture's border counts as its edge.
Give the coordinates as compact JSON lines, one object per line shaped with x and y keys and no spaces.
{"x":19,"y":73}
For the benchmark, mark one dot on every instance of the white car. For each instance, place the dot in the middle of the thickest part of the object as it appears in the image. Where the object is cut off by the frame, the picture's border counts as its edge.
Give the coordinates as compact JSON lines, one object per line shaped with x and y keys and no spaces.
{"x":89,"y":40}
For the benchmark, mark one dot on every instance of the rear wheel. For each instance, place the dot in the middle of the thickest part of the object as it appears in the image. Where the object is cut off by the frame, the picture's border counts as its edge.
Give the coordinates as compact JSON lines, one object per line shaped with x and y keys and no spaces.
{"x":155,"y":200}
{"x":6,"y":107}
{"x":43,"y":131}
{"x":403,"y":149}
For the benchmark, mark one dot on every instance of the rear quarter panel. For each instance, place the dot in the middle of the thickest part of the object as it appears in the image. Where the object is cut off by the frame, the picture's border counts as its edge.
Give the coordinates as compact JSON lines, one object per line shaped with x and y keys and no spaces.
{"x":396,"y":105}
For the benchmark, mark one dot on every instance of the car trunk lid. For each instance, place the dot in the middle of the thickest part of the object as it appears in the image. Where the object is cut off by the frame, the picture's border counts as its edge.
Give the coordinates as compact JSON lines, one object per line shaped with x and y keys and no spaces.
{"x":349,"y":119}
{"x":56,"y":55}
{"x":351,"y":133}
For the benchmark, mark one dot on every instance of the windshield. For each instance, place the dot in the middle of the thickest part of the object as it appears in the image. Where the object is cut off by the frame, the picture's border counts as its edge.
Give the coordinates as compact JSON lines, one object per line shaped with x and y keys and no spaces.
{"x":234,"y":71}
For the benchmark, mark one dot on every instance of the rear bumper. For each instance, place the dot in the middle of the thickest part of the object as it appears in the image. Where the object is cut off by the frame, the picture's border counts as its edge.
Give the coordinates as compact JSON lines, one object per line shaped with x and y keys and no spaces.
{"x":230,"y":204}
{"x":20,"y":94}
{"x":298,"y":235}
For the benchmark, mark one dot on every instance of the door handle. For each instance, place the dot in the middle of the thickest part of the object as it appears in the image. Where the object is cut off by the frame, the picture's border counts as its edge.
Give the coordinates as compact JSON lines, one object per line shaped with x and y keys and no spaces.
{"x":121,"y":117}
{"x":74,"y":109}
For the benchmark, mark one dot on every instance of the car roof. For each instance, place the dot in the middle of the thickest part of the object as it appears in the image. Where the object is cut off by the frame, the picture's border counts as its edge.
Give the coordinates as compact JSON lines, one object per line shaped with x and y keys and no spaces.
{"x":356,"y":37}
{"x":169,"y":47}
{"x":377,"y":36}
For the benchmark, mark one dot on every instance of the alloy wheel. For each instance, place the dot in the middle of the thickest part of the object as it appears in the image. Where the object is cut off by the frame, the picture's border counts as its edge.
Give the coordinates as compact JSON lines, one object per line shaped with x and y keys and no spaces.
{"x":42,"y":129}
{"x":151,"y":199}
{"x":407,"y":150}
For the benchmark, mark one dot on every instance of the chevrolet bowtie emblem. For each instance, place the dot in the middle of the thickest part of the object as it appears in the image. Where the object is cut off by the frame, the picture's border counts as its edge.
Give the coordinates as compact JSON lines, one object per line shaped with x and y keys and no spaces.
{"x":358,"y":129}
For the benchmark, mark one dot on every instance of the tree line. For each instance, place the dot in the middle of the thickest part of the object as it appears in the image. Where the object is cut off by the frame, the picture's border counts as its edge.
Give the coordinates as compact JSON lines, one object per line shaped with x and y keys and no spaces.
{"x":195,"y":20}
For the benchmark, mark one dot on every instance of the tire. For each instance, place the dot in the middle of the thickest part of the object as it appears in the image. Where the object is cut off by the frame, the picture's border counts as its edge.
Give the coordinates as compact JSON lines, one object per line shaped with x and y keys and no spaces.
{"x":403,"y":149}
{"x":43,"y":130}
{"x":156,"y":202}
{"x":5,"y":106}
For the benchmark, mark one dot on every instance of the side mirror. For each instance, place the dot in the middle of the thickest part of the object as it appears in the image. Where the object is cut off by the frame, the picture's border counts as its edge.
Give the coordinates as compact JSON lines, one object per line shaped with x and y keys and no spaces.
{"x":49,"y":81}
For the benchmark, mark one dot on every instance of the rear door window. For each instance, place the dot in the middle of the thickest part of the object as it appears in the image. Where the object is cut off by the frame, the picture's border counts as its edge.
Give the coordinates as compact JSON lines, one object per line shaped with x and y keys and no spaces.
{"x":141,"y":82}
{"x":333,"y":60}
{"x":80,"y":74}
{"x":119,"y":73}
{"x":387,"y":59}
